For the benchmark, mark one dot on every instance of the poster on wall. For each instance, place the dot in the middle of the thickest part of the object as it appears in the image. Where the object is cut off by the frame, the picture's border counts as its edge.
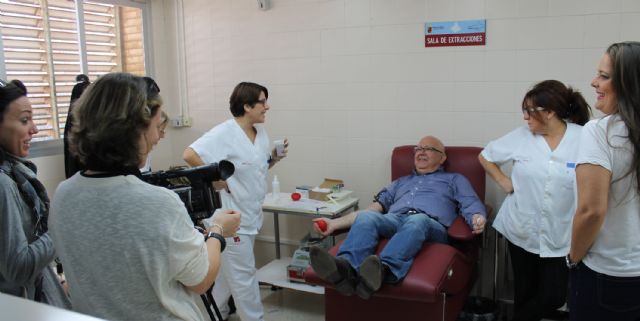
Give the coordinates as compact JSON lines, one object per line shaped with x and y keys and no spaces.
{"x":455,"y":33}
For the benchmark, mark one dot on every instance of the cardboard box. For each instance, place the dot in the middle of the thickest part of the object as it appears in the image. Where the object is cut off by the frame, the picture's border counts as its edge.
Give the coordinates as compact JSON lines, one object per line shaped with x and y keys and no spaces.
{"x":299,"y":263}
{"x":324,"y":189}
{"x":303,"y":190}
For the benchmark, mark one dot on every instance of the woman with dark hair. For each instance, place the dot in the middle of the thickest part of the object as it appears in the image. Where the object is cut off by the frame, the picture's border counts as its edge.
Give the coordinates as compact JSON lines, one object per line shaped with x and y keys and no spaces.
{"x":71,"y":164}
{"x":26,"y":249}
{"x":538,"y":209}
{"x":243,"y":141}
{"x":605,"y":243}
{"x":129,"y":248}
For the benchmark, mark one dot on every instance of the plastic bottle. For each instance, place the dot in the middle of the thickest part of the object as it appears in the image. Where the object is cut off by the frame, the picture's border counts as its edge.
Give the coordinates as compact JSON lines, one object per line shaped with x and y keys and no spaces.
{"x":275,"y":186}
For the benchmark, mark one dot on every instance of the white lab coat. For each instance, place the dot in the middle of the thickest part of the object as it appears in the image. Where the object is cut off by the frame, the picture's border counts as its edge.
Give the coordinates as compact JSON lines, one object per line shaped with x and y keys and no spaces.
{"x":537,"y":216}
{"x":248,"y":187}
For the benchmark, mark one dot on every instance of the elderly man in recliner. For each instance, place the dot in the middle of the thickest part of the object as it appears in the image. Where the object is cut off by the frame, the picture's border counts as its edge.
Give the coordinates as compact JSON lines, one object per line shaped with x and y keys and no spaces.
{"x":411,"y":210}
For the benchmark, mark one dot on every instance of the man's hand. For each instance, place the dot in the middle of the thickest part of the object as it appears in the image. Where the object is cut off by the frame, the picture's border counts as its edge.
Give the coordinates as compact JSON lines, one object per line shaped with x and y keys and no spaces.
{"x":329,"y":226}
{"x":478,"y":222}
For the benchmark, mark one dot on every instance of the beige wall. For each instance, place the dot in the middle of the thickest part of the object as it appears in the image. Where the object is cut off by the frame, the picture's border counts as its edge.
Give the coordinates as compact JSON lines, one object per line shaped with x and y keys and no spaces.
{"x":350,"y":79}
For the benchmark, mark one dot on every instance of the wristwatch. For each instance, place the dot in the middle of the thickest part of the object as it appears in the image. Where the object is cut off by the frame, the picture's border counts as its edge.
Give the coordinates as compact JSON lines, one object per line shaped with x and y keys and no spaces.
{"x":570,"y":265}
{"x":223,"y":242}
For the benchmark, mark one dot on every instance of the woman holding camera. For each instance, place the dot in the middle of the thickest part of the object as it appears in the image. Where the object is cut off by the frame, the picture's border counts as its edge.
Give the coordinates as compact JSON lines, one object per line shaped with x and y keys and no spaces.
{"x":129,"y":248}
{"x":26,"y":248}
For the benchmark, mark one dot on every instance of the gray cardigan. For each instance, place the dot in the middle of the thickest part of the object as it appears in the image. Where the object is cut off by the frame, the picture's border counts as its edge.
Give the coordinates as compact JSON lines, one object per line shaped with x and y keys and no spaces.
{"x":23,"y":257}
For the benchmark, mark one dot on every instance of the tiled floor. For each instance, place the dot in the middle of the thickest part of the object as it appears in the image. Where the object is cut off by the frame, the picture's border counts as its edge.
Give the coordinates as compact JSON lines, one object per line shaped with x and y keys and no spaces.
{"x":291,"y":305}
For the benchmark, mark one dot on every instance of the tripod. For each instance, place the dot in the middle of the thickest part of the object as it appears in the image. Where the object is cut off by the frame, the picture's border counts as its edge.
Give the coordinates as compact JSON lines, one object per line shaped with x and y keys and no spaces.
{"x":209,"y":302}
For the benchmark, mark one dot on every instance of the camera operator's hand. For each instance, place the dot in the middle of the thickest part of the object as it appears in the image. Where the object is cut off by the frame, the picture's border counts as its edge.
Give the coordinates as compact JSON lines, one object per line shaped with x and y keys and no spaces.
{"x":229,"y":220}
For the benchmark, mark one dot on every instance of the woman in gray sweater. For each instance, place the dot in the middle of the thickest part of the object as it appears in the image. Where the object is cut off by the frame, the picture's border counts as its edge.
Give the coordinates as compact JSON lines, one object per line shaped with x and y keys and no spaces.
{"x":26,"y":250}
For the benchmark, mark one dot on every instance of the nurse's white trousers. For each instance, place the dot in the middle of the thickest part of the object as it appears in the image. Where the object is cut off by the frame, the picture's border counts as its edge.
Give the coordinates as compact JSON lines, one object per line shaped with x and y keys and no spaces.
{"x":237,"y":277}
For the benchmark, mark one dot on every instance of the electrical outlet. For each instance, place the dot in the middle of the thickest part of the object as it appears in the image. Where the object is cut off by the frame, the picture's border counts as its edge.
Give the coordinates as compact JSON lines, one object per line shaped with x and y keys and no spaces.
{"x":176,"y":122}
{"x":180,"y":121}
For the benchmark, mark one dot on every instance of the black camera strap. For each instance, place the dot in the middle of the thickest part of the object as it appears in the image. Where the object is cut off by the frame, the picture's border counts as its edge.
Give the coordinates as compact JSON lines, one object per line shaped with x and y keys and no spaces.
{"x":111,"y":172}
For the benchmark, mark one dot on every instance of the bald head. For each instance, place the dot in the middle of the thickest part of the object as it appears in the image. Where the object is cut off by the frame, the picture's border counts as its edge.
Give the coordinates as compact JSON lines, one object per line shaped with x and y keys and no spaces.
{"x":429,"y":155}
{"x":432,"y":141}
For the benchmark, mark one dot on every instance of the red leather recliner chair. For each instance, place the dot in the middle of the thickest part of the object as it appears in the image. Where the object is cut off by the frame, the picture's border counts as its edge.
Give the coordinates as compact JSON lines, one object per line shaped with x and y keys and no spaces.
{"x":441,"y":276}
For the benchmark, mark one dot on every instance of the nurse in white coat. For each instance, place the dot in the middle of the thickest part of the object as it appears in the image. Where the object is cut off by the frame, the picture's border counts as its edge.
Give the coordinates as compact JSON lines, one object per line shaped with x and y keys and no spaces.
{"x":536,"y":215}
{"x":243,"y":141}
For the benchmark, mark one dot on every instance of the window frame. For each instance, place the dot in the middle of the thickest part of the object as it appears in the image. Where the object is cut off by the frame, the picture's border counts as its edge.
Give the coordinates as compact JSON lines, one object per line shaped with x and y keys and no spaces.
{"x":55,"y":146}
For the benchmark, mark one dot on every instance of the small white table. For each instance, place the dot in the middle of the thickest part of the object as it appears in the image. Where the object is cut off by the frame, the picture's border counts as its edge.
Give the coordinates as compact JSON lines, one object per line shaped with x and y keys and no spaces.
{"x":275,"y":272}
{"x":15,"y":308}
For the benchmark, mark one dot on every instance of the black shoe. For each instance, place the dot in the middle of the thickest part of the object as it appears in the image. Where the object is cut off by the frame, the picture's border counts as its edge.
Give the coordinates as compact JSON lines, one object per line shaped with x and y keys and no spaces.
{"x":334,"y":270}
{"x":372,"y":273}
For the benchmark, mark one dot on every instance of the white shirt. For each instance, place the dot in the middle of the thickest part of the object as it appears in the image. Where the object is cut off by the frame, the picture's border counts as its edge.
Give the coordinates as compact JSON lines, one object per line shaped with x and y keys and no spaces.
{"x":248,"y":187}
{"x":616,"y":250}
{"x":537,"y":216}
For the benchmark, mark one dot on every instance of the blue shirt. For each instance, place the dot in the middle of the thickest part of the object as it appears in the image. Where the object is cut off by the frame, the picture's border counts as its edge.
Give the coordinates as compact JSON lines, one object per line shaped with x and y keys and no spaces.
{"x":439,"y":194}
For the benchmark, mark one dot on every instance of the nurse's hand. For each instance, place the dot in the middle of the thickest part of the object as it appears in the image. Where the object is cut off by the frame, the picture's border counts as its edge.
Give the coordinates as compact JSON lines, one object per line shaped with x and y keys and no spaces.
{"x":228,"y":221}
{"x":274,"y":154}
{"x":221,"y":185}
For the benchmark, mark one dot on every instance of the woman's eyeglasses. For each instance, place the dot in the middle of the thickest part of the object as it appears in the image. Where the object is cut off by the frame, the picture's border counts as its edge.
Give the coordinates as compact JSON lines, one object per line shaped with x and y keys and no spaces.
{"x":531,"y":110}
{"x":419,"y":149}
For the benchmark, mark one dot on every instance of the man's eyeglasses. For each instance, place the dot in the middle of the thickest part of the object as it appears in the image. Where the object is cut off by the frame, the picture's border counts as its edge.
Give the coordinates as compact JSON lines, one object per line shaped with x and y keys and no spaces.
{"x":261,"y":101}
{"x":425,"y":149}
{"x":531,"y":110}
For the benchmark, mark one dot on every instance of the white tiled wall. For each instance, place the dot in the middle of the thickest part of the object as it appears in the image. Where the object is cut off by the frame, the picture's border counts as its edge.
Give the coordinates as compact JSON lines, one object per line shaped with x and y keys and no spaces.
{"x":350,"y":79}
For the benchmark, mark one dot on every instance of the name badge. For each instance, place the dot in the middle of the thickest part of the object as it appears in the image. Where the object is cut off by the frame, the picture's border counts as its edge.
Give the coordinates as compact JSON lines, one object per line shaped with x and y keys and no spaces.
{"x":571,"y":165}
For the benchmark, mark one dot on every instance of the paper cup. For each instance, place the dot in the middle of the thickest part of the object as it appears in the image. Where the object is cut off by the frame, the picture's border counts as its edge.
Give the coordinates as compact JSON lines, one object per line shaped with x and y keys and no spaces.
{"x":279,"y":144}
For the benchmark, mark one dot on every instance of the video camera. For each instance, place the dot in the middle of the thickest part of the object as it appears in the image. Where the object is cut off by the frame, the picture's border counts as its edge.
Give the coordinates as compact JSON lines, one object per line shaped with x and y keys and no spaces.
{"x":193,"y":185}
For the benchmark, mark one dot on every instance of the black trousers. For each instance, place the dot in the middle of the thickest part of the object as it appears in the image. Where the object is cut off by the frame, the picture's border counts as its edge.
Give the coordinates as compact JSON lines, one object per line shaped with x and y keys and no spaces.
{"x":596,"y":296}
{"x":540,"y":284}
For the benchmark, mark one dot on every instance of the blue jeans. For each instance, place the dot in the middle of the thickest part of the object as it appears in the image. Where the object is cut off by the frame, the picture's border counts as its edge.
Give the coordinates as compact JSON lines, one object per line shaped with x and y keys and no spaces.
{"x":597,"y":296}
{"x":406,"y":233}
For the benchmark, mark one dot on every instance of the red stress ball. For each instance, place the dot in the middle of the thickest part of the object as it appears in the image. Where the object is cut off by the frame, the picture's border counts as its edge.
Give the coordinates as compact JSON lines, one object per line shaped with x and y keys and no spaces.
{"x":322,"y":225}
{"x":296,"y":196}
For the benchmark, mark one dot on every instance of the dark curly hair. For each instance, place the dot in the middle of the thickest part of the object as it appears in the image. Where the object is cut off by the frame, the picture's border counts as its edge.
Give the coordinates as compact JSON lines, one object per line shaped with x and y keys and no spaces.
{"x":109,"y":119}
{"x":568,"y":103}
